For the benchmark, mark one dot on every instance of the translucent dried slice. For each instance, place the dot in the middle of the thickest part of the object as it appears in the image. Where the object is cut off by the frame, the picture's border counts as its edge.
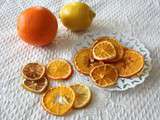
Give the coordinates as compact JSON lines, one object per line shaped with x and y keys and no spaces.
{"x":104,"y":51}
{"x":58,"y":100}
{"x":104,"y":75}
{"x":119,"y":49}
{"x":33,"y":71}
{"x":83,"y":61}
{"x":59,"y":69}
{"x":131,"y":64}
{"x":118,"y":46}
{"x":83,"y":95}
{"x":37,"y":86}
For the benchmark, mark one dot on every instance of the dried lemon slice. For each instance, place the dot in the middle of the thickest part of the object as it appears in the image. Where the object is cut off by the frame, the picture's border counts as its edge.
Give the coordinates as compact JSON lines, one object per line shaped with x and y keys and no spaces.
{"x":132,"y":63}
{"x":83,"y":61}
{"x":59,"y":69}
{"x":104,"y":51}
{"x":83,"y":95}
{"x":33,"y":71}
{"x":104,"y":75}
{"x":37,"y":86}
{"x":58,"y":100}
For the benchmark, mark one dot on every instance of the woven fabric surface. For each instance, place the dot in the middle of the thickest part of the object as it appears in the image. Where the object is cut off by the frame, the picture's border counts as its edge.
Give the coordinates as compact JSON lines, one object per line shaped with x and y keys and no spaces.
{"x":137,"y":18}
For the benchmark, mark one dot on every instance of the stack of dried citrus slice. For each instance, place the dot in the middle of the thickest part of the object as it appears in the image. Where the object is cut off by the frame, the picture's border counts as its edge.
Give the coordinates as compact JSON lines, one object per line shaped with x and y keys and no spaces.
{"x":56,"y":100}
{"x":106,"y":60}
{"x":34,"y":75}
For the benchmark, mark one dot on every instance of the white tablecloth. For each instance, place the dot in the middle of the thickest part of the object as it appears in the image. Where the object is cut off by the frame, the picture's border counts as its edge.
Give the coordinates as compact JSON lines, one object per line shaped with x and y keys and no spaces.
{"x":138,"y":18}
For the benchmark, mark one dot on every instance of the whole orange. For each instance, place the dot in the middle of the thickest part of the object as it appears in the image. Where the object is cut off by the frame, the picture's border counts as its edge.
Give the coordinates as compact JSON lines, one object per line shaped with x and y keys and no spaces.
{"x":37,"y":26}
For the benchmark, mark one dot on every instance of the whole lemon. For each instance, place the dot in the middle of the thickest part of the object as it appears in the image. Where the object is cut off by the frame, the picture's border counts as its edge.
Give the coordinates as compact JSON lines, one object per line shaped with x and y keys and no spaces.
{"x":76,"y":16}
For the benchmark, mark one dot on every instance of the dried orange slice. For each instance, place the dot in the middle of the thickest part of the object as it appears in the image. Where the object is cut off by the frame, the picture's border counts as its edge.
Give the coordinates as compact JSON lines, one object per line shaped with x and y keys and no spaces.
{"x":131,"y":63}
{"x":37,"y":86}
{"x":83,"y":95}
{"x":83,"y":62}
{"x":104,"y":51}
{"x":33,"y":71}
{"x":58,"y":100}
{"x":97,"y":40}
{"x":119,"y":48}
{"x":139,"y":73}
{"x":59,"y":69}
{"x":104,"y":75}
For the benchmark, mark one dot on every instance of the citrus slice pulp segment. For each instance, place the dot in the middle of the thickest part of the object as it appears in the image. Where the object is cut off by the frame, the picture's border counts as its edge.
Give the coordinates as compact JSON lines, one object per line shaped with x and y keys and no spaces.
{"x":58,"y":100}
{"x":132,"y":63}
{"x":83,"y":95}
{"x":104,"y":75}
{"x":104,"y":51}
{"x":59,"y":69}
{"x":33,"y":71}
{"x":37,"y":86}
